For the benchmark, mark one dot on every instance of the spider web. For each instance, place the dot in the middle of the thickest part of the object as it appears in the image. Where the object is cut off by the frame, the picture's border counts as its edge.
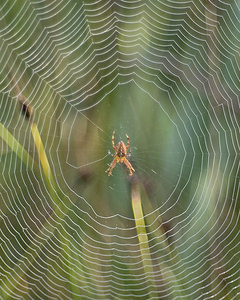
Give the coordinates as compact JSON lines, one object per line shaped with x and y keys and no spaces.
{"x":166,"y":73}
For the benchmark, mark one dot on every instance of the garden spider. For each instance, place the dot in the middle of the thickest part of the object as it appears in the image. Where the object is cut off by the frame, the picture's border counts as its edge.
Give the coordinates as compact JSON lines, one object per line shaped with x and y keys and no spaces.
{"x":120,"y":156}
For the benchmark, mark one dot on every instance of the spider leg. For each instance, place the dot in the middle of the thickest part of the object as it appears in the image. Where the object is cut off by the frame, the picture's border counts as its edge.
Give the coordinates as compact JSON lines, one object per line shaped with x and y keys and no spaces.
{"x":129,"y":153}
{"x":130,"y":168}
{"x":113,"y":145}
{"x":127,"y":142}
{"x":109,"y":153}
{"x":111,"y":167}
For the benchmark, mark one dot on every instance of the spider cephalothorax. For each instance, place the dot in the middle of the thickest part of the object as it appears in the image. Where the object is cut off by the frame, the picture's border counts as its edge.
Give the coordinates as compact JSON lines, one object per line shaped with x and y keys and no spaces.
{"x":120,"y":156}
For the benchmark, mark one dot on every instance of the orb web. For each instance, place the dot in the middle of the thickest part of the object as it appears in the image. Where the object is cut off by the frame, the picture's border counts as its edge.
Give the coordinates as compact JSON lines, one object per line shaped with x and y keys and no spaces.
{"x":166,"y":73}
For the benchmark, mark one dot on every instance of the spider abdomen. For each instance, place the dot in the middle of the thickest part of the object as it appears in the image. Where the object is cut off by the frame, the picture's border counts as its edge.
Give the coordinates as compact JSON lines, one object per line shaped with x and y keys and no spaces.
{"x":121,"y":149}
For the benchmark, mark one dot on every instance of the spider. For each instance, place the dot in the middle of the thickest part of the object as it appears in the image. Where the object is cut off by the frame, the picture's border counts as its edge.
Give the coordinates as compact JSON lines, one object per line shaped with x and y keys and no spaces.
{"x":120,"y":156}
